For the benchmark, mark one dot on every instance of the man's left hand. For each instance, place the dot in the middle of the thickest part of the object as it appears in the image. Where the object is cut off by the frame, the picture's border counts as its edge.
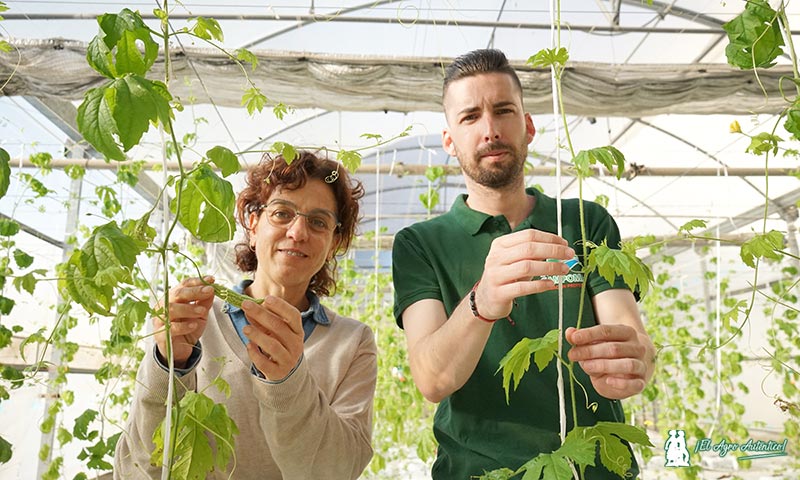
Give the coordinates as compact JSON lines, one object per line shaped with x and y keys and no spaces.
{"x":614,"y":356}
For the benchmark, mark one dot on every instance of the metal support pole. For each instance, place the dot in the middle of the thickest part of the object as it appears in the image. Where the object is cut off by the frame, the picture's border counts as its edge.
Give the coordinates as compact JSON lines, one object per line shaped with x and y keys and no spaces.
{"x":53,"y":389}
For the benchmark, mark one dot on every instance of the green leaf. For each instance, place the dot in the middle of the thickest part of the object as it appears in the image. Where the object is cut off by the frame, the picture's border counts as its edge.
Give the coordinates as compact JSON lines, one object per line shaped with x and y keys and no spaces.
{"x":120,"y":112}
{"x":22,"y":259}
{"x":8,"y":227}
{"x":63,"y":435}
{"x":578,"y":449}
{"x":792,"y":124}
{"x":547,"y":465}
{"x":207,"y":29}
{"x":128,"y":173}
{"x":13,"y":376}
{"x":96,"y":123}
{"x":517,"y":361}
{"x":108,"y":199}
{"x":350,"y":159}
{"x":131,"y":315}
{"x":763,"y":143}
{"x":140,"y":230}
{"x":434,"y":173}
{"x":615,"y":455}
{"x":611,"y":263}
{"x":75,"y":172}
{"x":26,"y":282}
{"x":691,"y":225}
{"x":35,"y":185}
{"x":280,"y":110}
{"x":548,"y":57}
{"x":762,"y":246}
{"x":42,"y":160}
{"x":608,"y":156}
{"x":5,"y":46}
{"x":225,"y":159}
{"x":499,"y":474}
{"x":429,"y":201}
{"x":287,"y":151}
{"x":253,"y":100}
{"x":193,"y":454}
{"x":109,"y":255}
{"x":754,"y":37}
{"x":206,"y":206}
{"x":138,"y":102}
{"x":5,"y":450}
{"x":81,"y":428}
{"x":602,"y":200}
{"x":92,"y":272}
{"x":247,"y":56}
{"x":116,"y":51}
{"x":5,"y":172}
{"x":6,"y":305}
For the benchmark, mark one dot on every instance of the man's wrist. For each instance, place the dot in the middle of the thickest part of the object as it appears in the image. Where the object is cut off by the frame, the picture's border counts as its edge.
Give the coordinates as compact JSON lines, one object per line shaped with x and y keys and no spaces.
{"x":473,"y":306}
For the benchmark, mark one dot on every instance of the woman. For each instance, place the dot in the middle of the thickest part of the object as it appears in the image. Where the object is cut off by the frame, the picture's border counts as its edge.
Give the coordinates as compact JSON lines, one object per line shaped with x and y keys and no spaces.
{"x":302,"y":378}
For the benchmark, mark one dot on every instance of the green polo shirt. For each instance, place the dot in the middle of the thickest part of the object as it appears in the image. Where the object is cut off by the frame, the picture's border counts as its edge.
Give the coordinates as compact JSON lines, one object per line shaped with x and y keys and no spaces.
{"x":441,"y":259}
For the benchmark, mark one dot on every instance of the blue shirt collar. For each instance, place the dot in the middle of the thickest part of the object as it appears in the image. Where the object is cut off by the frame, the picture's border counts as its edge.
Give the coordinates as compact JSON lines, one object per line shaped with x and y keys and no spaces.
{"x":313,"y":316}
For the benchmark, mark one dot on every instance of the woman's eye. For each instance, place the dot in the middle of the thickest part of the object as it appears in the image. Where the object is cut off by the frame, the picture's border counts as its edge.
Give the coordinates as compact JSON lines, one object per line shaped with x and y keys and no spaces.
{"x":282,"y":214}
{"x":318,"y":222}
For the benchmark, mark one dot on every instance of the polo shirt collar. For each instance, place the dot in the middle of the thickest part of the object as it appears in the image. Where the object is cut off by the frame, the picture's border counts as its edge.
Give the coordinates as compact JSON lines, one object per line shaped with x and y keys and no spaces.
{"x":540,"y":217}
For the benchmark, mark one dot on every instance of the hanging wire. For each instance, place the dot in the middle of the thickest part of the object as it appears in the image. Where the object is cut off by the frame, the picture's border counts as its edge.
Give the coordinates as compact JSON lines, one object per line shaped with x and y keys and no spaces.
{"x":490,"y":44}
{"x":555,"y":42}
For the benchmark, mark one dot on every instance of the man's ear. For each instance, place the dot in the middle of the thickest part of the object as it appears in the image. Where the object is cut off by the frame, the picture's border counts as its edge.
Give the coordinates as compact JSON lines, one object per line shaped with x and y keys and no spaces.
{"x":529,"y":127}
{"x":447,"y":143}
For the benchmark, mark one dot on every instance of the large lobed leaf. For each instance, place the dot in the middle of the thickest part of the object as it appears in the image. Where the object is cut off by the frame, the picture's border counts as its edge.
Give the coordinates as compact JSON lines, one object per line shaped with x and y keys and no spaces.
{"x":121,"y":111}
{"x":765,"y":245}
{"x":755,"y":37}
{"x":517,"y":361}
{"x":608,"y":156}
{"x":194,"y":457}
{"x":116,"y":51}
{"x":611,"y":263}
{"x":614,"y":454}
{"x":92,"y":273}
{"x":206,"y":205}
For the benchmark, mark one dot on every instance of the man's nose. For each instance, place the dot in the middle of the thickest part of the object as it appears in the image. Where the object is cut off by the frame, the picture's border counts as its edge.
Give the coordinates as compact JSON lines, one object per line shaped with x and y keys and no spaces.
{"x":491,"y":130}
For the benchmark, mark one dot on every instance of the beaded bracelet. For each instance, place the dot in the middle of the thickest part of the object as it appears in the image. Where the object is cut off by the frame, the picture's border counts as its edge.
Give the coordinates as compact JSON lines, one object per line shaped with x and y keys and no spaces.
{"x":474,"y":307}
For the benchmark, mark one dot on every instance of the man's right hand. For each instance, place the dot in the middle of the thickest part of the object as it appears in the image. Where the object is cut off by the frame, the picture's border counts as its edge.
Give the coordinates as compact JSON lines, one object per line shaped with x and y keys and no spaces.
{"x":514,"y":260}
{"x":189,"y":303}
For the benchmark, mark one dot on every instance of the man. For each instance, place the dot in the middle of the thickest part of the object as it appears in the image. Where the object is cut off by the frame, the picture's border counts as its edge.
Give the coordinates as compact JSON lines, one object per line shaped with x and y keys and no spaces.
{"x":473,"y":282}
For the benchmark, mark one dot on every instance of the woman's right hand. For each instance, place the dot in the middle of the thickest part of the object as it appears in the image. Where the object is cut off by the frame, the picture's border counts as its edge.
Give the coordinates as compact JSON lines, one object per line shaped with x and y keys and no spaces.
{"x":189,"y":303}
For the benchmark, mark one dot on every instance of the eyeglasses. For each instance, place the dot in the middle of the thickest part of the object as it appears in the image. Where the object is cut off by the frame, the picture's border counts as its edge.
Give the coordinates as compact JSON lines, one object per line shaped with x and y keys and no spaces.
{"x":282,"y":214}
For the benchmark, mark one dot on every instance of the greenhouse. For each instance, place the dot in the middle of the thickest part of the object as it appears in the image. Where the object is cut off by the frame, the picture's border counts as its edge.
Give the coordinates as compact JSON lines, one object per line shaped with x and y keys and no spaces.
{"x":141,"y":144}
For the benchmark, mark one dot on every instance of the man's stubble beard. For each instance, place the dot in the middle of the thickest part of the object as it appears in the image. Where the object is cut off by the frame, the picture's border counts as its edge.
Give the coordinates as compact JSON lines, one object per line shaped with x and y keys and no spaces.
{"x":496,"y":177}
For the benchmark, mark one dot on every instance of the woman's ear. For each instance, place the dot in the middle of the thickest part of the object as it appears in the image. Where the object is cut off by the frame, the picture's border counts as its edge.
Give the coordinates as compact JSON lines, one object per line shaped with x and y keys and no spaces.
{"x":337,"y":241}
{"x":252,"y":223}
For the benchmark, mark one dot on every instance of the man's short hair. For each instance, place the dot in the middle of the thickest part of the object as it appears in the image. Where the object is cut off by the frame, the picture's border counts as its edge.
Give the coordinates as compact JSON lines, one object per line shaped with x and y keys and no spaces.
{"x":487,"y":60}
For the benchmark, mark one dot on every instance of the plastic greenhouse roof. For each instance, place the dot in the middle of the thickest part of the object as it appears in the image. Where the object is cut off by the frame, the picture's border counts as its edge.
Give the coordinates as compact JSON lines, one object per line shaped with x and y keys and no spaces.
{"x":686,"y":166}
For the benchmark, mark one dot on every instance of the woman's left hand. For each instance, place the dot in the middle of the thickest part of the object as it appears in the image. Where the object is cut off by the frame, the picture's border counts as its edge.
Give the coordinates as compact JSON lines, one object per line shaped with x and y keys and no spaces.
{"x":276,"y":336}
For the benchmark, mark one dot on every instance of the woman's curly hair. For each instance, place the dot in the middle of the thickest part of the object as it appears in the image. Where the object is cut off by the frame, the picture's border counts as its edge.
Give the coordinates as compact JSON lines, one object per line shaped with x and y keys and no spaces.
{"x":273,"y":172}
